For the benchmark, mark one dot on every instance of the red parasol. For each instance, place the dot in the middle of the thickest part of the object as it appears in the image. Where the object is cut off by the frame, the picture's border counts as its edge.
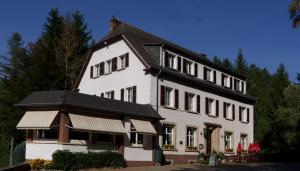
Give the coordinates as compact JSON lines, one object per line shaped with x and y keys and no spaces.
{"x":250,"y":147}
{"x":239,"y":148}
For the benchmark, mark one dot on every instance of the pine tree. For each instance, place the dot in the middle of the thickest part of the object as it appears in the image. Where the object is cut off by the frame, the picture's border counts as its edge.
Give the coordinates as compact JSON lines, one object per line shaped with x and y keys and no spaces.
{"x":240,"y":65}
{"x":280,"y":81}
{"x":217,"y":61}
{"x":227,"y":64}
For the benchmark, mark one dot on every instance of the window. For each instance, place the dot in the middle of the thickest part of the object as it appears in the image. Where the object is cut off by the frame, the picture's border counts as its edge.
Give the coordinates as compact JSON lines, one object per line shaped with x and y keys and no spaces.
{"x":244,"y":141}
{"x":170,"y":60}
{"x":114,"y":64}
{"x":191,"y":138}
{"x":79,"y":135}
{"x":104,"y":138}
{"x":123,"y":61}
{"x":228,"y":111}
{"x":47,"y":134}
{"x":228,"y":142}
{"x":244,"y":115}
{"x":169,"y":97}
{"x":225,"y":80}
{"x":102,"y":69}
{"x":109,"y":66}
{"x":192,"y":102}
{"x":97,"y":70}
{"x":189,"y":67}
{"x":168,"y":136}
{"x":109,"y":94}
{"x":209,"y":75}
{"x":237,"y":85}
{"x":212,"y":107}
{"x":136,"y":139}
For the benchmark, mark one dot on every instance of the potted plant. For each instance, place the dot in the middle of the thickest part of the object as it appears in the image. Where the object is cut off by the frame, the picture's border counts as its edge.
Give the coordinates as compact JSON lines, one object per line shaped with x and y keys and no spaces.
{"x":191,"y":148}
{"x":221,"y":157}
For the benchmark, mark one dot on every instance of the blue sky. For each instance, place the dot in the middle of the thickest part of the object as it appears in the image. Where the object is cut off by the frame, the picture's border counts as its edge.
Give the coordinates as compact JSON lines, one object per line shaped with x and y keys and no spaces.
{"x":213,"y":27}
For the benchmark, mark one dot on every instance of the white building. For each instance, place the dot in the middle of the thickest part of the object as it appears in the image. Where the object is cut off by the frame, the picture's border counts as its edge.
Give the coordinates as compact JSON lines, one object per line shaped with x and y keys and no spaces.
{"x":159,"y":98}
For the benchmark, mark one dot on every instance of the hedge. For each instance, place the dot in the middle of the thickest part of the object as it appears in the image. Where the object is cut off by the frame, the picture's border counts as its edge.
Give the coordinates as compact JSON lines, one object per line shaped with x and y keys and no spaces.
{"x":19,"y":153}
{"x":66,"y":160}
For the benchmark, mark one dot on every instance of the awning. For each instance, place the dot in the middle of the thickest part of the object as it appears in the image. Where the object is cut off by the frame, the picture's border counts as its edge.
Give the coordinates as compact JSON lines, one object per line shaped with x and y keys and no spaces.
{"x":89,"y":123}
{"x":37,"y":120}
{"x":143,"y":126}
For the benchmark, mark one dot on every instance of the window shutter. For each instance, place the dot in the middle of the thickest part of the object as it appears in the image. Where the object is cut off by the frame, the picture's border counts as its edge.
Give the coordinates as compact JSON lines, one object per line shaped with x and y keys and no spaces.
{"x":234,"y":84}
{"x":102,"y":68}
{"x":186,"y":103}
{"x":204,"y":73}
{"x":222,"y":79}
{"x":206,"y":105}
{"x":217,"y":108}
{"x":215,"y":77}
{"x":134,"y":94}
{"x":176,"y":98}
{"x":122,"y":94}
{"x":248,"y":113}
{"x":127,"y":60}
{"x":198,"y":103}
{"x":162,"y":95}
{"x":102,"y":94}
{"x":112,"y":94}
{"x":196,"y":70}
{"x":240,"y":113}
{"x":230,"y":82}
{"x":166,"y":59}
{"x":224,"y":109}
{"x":233,"y":112}
{"x":243,"y":86}
{"x":179,"y":64}
{"x":91,"y":72}
{"x":184,"y":65}
{"x":114,"y":64}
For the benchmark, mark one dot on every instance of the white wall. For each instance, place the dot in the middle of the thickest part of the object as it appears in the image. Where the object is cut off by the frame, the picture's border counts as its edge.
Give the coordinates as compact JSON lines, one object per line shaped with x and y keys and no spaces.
{"x":41,"y":150}
{"x":130,"y":76}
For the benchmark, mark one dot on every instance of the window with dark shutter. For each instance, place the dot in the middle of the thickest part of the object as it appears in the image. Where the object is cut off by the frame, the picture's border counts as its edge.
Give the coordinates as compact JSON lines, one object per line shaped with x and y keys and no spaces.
{"x":206,"y":105}
{"x":114,"y":64}
{"x":240,"y":113}
{"x":215,"y":77}
{"x":102,"y":69}
{"x":217,"y":108}
{"x":166,"y":59}
{"x":134,"y":94}
{"x":112,"y":94}
{"x":162,"y":95}
{"x":179,"y":64}
{"x":102,"y":94}
{"x":230,"y":85}
{"x":242,"y":86}
{"x":127,"y":60}
{"x":224,"y":109}
{"x":196,"y":70}
{"x":204,"y":73}
{"x":176,"y":98}
{"x":91,"y":72}
{"x":222,"y":80}
{"x":198,"y":103}
{"x":233,"y":112}
{"x":184,"y":65}
{"x":248,"y":114}
{"x":186,"y":101}
{"x":122,"y":94}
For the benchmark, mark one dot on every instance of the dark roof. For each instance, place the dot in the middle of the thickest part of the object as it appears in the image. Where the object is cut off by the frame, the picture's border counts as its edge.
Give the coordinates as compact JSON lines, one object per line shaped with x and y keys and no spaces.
{"x":141,"y":39}
{"x":85,"y":101}
{"x":204,"y":85}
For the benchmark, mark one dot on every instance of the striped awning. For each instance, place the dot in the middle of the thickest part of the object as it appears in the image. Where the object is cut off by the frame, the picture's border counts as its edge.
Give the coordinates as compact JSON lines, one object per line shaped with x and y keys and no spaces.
{"x":89,"y":123}
{"x":143,"y":126}
{"x":37,"y":120}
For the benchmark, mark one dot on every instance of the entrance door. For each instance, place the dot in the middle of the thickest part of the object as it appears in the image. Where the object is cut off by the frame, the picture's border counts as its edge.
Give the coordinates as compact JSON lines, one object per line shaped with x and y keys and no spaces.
{"x":212,"y":138}
{"x":208,"y":139}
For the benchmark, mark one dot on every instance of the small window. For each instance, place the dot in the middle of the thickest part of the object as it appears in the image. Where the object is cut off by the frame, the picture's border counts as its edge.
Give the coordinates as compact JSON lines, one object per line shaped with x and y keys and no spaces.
{"x":208,"y":74}
{"x":191,"y":138}
{"x":102,"y":69}
{"x":189,"y":67}
{"x":191,"y":102}
{"x":228,"y":142}
{"x":243,"y":114}
{"x":130,"y":94}
{"x":237,"y":85}
{"x":97,"y":70}
{"x":136,"y":139}
{"x":169,"y":97}
{"x":244,"y":141}
{"x":109,"y":66}
{"x":109,"y":94}
{"x":123,"y":62}
{"x":168,"y":136}
{"x":211,"y":107}
{"x":228,"y":110}
{"x":170,"y":60}
{"x":225,"y":80}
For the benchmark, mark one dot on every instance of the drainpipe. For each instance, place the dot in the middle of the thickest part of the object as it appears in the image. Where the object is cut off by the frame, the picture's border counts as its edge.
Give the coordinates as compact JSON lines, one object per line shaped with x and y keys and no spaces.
{"x":157,"y":87}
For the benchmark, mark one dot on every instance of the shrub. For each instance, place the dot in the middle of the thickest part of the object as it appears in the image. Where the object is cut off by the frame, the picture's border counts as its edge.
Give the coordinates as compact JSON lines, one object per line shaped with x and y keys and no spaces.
{"x":66,"y":160}
{"x":48,"y":165}
{"x":19,"y":153}
{"x":36,"y":164}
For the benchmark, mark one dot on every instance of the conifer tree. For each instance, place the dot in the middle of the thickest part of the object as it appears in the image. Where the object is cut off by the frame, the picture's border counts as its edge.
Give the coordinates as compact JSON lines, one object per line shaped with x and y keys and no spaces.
{"x":240,"y":65}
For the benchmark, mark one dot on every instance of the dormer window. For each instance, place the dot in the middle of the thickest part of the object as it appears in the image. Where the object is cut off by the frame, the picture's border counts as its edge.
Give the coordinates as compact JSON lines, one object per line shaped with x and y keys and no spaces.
{"x":190,"y":67}
{"x":226,"y":81}
{"x":209,"y":75}
{"x":237,"y":85}
{"x":170,"y":60}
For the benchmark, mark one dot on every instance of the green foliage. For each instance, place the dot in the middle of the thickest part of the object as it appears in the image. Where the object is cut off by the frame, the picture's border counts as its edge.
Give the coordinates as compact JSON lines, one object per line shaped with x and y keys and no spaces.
{"x":66,"y":160}
{"x":19,"y":153}
{"x":294,"y":10}
{"x":240,"y":65}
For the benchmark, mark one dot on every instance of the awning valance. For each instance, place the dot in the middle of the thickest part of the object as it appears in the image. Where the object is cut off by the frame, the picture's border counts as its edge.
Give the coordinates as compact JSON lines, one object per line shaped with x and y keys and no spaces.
{"x":89,"y":123}
{"x":143,"y":126}
{"x":37,"y":120}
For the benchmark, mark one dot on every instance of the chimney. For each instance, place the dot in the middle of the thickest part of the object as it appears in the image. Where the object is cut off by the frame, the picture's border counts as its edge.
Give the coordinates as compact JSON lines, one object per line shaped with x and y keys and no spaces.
{"x":113,"y":24}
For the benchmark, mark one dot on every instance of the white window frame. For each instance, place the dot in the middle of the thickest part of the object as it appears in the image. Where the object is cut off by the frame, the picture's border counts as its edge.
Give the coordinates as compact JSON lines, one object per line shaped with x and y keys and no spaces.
{"x":169,"y":132}
{"x":129,"y":94}
{"x":226,"y":80}
{"x":191,"y":137}
{"x":172,"y":60}
{"x":109,"y":66}
{"x":244,"y":141}
{"x":244,"y":114}
{"x":189,"y":67}
{"x":192,"y":102}
{"x":212,"y":107}
{"x":122,"y":61}
{"x":136,"y":142}
{"x":228,"y":138}
{"x":170,"y":97}
{"x":229,"y":111}
{"x":209,"y":74}
{"x":237,"y":86}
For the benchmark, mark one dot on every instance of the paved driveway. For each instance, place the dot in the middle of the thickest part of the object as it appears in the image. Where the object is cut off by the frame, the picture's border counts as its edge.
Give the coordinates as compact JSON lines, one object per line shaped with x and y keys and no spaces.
{"x":231,"y":167}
